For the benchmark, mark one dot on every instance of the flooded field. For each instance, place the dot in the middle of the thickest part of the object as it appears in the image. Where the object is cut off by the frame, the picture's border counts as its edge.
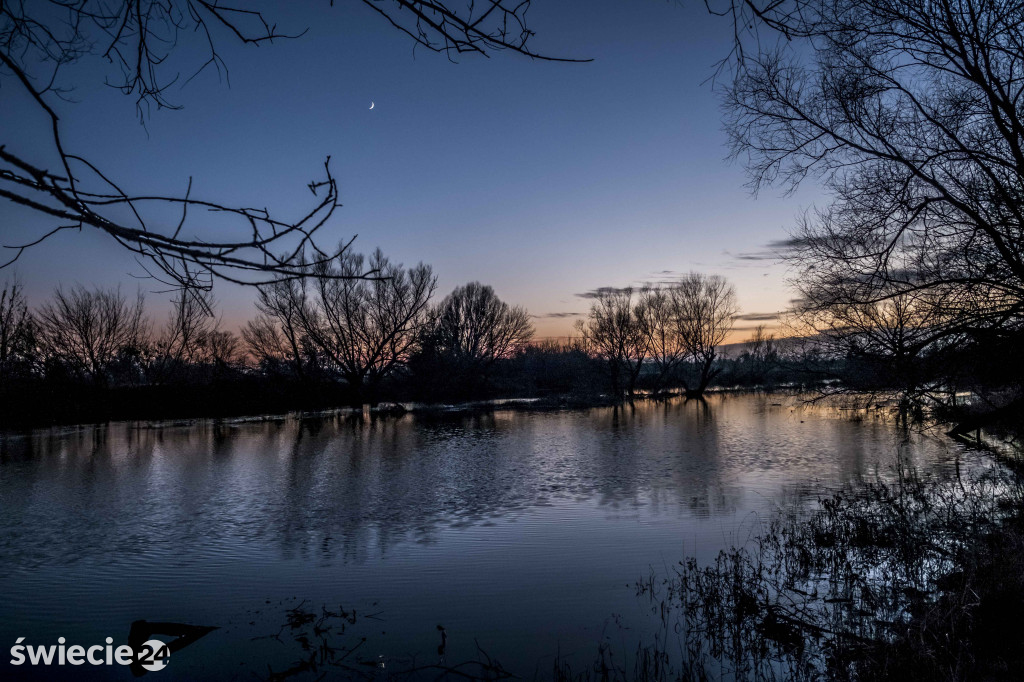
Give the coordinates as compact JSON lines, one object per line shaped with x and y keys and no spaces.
{"x":521,"y":533}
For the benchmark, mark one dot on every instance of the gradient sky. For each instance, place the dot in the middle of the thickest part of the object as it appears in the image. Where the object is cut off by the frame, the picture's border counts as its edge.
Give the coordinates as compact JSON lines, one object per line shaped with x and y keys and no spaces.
{"x":544,"y":180}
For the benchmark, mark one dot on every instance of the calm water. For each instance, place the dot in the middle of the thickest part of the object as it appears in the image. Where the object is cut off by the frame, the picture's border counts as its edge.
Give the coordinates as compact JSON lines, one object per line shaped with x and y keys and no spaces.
{"x":524,"y":532}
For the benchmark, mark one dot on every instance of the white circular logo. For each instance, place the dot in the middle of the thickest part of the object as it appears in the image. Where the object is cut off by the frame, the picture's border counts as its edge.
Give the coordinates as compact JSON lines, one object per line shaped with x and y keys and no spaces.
{"x":154,"y":655}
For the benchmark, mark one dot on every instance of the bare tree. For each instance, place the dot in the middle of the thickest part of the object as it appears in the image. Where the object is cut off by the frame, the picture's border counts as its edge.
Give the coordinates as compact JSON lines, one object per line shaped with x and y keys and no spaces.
{"x":365,"y":328}
{"x":139,"y":40}
{"x":473,"y":327}
{"x":224,"y":350}
{"x":455,"y":29}
{"x":912,"y":114}
{"x":614,"y":331}
{"x":884,"y":344}
{"x":183,"y":341}
{"x":657,"y":316}
{"x":705,"y":308}
{"x":16,"y":331}
{"x":267,"y":346}
{"x":761,"y":345}
{"x":759,"y":356}
{"x":89,"y":331}
{"x":276,"y":336}
{"x":192,"y":340}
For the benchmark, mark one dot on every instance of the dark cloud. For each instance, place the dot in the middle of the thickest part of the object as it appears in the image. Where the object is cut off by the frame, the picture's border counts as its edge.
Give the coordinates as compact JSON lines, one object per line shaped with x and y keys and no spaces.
{"x":773,"y":250}
{"x":756,"y":255}
{"x":556,"y":315}
{"x":757,"y":317}
{"x":786,"y":244}
{"x":601,"y":291}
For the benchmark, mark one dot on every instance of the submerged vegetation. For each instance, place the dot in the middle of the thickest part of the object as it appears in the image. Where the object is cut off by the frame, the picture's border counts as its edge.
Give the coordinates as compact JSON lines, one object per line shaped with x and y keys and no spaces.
{"x":907,"y":577}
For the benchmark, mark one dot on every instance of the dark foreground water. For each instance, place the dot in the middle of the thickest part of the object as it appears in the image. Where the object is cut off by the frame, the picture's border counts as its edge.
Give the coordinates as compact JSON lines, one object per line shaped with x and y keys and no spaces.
{"x":521,"y":532}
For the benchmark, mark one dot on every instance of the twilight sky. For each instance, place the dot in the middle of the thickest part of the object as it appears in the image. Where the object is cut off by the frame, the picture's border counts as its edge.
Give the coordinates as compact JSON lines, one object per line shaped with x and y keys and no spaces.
{"x":545,"y":180}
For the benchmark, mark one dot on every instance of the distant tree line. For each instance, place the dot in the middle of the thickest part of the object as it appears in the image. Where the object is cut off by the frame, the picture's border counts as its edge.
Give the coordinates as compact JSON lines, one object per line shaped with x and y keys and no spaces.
{"x":339,"y":337}
{"x":332,"y":339}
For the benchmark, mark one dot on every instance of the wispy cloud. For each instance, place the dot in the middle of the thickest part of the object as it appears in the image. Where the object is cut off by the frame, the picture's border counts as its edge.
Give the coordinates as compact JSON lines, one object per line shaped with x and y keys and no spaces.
{"x":775,"y":250}
{"x":602,"y":291}
{"x":556,"y":315}
{"x":757,"y":317}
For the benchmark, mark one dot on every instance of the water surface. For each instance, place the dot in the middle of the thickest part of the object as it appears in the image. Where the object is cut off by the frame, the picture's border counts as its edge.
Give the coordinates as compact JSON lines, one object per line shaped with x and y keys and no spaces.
{"x":522,"y":531}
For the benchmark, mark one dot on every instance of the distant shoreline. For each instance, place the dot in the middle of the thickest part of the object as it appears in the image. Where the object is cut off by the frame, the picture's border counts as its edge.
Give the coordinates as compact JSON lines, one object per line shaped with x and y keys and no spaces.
{"x":189,"y":405}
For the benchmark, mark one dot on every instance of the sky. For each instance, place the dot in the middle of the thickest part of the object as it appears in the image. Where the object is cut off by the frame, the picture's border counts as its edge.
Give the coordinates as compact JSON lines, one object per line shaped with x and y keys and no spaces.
{"x":545,"y":180}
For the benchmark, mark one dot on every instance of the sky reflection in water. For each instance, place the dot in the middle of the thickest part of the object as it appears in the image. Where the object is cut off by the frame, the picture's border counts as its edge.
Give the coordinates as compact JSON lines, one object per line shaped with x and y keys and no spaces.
{"x":523,"y":531}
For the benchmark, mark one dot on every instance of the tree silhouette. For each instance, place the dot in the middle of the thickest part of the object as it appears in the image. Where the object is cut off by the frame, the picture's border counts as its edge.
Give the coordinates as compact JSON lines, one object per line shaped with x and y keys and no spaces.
{"x":912,"y":114}
{"x":474,"y":328}
{"x":17,"y":332}
{"x":614,"y":332}
{"x":657,"y":316}
{"x":364,"y":328}
{"x":275,"y":338}
{"x":90,"y":331}
{"x":705,"y":308}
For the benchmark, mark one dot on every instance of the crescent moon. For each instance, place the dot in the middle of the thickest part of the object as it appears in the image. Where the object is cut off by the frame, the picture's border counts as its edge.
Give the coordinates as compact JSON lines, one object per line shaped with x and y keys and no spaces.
{"x":371,"y":105}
